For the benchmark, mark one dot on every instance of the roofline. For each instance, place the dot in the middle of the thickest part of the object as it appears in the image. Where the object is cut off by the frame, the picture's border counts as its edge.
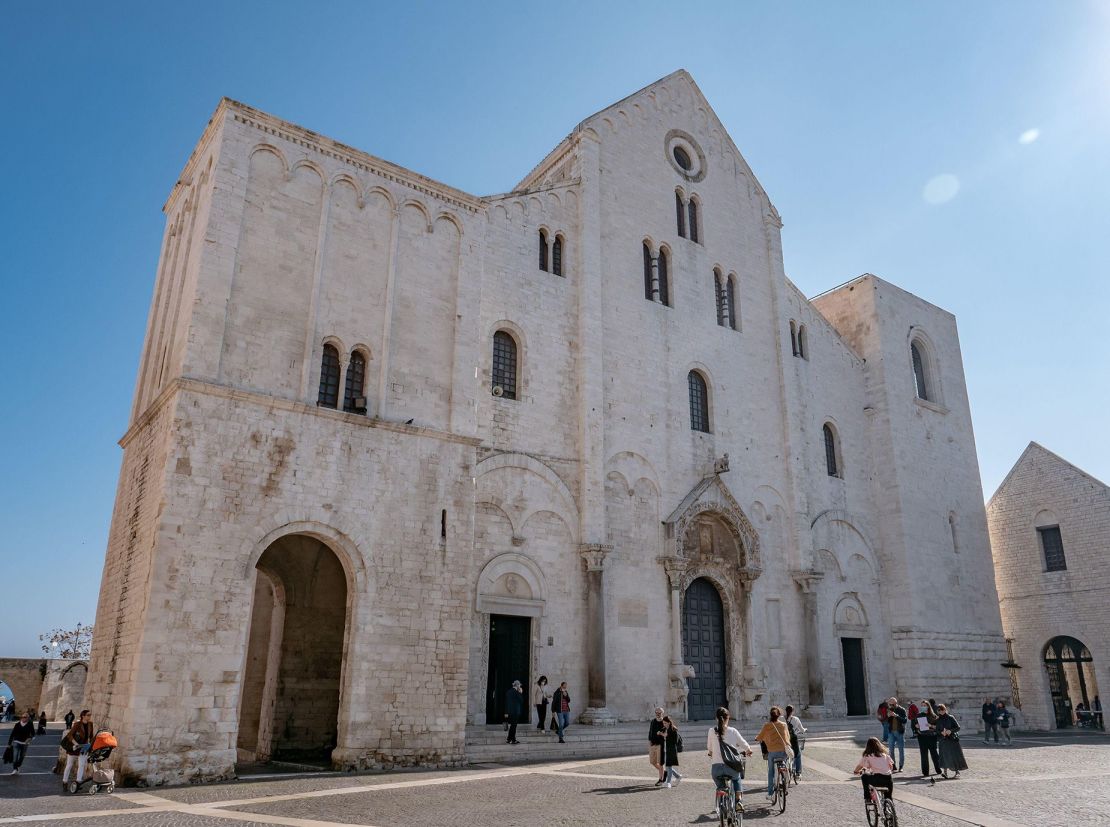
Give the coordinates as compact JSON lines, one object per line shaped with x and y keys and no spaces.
{"x":1034,"y":444}
{"x":865,"y":276}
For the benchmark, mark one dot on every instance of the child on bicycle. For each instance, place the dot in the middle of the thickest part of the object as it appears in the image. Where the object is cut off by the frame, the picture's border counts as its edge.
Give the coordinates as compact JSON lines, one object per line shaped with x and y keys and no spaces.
{"x":876,"y":768}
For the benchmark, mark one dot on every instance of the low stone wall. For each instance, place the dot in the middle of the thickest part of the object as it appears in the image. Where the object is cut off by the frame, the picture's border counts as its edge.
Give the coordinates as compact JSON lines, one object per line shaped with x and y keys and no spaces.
{"x":54,"y":685}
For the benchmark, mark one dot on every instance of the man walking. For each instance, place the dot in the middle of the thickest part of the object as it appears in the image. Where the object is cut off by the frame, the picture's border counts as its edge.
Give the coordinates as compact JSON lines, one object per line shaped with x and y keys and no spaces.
{"x":560,"y":707}
{"x":896,"y":722}
{"x":69,"y":719}
{"x":990,"y":724}
{"x":514,"y":709}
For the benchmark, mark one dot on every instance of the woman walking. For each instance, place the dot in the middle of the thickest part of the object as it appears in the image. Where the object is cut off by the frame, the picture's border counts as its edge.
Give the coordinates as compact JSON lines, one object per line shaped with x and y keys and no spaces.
{"x":776,"y":737}
{"x":540,"y":699}
{"x":672,"y":746}
{"x":19,"y":740}
{"x":42,"y":723}
{"x":76,"y":743}
{"x":655,"y":743}
{"x":924,"y":726}
{"x":951,"y":753}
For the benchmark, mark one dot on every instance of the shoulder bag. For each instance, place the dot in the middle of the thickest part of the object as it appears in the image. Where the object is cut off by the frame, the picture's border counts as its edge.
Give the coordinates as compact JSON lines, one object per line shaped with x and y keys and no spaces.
{"x":730,"y":756}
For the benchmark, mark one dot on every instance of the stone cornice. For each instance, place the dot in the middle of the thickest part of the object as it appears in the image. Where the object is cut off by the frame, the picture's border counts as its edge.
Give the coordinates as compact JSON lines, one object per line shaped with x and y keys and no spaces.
{"x":181,"y":385}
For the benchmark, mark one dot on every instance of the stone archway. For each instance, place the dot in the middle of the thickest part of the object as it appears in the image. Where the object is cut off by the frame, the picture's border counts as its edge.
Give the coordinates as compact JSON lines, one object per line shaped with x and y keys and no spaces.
{"x":291,"y":691}
{"x":704,"y":649}
{"x":1071,"y":678}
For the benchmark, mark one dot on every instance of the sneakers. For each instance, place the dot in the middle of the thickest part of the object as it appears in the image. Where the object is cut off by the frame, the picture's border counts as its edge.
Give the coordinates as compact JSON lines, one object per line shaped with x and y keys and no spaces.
{"x":667,"y":785}
{"x":659,"y":783}
{"x":15,"y":771}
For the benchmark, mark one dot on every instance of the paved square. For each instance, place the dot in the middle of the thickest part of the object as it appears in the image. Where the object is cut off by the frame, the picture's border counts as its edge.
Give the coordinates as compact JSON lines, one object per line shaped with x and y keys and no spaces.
{"x":1040,"y":780}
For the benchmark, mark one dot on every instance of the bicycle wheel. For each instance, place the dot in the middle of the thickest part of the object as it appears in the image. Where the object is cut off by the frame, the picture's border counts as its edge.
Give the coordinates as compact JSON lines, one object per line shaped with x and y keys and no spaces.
{"x":784,"y":783}
{"x":872,"y":814}
{"x":890,"y":815}
{"x":722,"y":811}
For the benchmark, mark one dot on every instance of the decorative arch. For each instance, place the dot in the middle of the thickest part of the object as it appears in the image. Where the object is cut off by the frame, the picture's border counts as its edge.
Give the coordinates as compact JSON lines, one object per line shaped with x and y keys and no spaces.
{"x":308,"y":163}
{"x":511,"y":583}
{"x":273,"y":150}
{"x":924,"y":367}
{"x":345,"y":549}
{"x":850,"y":617}
{"x":420,"y":207}
{"x":632,"y":467}
{"x":711,"y":497}
{"x":449,"y":218}
{"x":562,"y":502}
{"x":825,"y":526}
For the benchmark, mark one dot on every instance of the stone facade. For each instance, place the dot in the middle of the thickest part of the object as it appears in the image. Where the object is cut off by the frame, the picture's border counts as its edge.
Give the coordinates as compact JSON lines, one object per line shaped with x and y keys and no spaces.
{"x":50,"y":685}
{"x":1042,"y":603}
{"x":555,"y":528}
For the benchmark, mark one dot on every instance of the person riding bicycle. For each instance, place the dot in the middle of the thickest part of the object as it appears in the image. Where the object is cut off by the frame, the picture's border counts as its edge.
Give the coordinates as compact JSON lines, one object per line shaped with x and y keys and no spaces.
{"x":776,"y":737}
{"x":719,"y":771}
{"x":875,"y":769}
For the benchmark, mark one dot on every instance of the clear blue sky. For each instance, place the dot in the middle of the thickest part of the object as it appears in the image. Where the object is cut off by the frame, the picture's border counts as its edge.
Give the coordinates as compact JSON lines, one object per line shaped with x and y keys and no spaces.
{"x":846,"y":111}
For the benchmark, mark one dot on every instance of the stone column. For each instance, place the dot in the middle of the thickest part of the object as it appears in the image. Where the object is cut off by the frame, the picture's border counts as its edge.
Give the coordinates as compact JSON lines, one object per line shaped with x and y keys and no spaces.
{"x":752,"y":677}
{"x":596,"y":713}
{"x":807,"y":582}
{"x":678,"y":689}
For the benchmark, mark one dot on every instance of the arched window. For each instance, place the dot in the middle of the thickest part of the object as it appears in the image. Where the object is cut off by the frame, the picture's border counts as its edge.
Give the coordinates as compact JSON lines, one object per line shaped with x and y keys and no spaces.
{"x":699,"y":403}
{"x":682,"y":158}
{"x":719,"y":294}
{"x":354,"y":397}
{"x":649,"y":292}
{"x":803,"y":343}
{"x":921,"y":386}
{"x":664,"y":281}
{"x":329,"y":378}
{"x":543,"y":251}
{"x":830,"y":451}
{"x":793,"y":338}
{"x":693,"y":207}
{"x":730,"y":298}
{"x":557,"y":256}
{"x":504,"y":365}
{"x":680,"y":213}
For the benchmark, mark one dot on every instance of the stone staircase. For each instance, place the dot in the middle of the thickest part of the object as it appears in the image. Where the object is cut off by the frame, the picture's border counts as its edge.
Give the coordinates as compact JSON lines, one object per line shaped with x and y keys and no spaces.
{"x":486,"y":744}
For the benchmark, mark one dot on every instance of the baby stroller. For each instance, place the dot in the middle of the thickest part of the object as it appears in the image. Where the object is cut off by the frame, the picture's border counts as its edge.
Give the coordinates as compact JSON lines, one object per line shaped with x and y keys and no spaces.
{"x":100,"y":778}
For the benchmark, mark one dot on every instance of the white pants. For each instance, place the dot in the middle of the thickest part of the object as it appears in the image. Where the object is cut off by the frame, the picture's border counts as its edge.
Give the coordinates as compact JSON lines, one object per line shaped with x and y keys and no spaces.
{"x":80,"y":760}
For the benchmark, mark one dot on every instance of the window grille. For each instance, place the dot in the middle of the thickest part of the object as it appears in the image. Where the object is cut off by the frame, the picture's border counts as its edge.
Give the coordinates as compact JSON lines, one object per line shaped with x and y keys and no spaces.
{"x":557,"y":256}
{"x":920,"y":385}
{"x":647,"y":274}
{"x":353,"y":396}
{"x":699,"y":403}
{"x":680,"y":213}
{"x":664,"y":282}
{"x":693,"y":220}
{"x":730,"y":298}
{"x":504,"y":364}
{"x":1053,"y":545}
{"x":328,"y":396}
{"x":719,"y":290}
{"x":830,"y":451}
{"x":543,"y":251}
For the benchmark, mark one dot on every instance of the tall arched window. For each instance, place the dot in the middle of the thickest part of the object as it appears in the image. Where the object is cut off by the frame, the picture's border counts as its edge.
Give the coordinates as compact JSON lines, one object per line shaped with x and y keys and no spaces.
{"x":803,"y":342}
{"x":719,"y":294}
{"x":921,"y":386}
{"x":543,"y":250}
{"x":354,"y":396}
{"x":730,"y":298}
{"x":699,"y":402}
{"x":793,"y":338}
{"x":693,"y":207}
{"x":680,"y":213}
{"x":664,"y":280}
{"x":557,"y":256}
{"x":504,"y":365}
{"x":830,"y":451}
{"x":649,"y":293}
{"x":328,"y":396}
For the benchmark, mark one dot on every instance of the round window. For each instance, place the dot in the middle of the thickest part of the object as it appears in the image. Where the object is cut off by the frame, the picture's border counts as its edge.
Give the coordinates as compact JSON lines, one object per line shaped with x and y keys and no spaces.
{"x":684,"y":155}
{"x":682,"y":158}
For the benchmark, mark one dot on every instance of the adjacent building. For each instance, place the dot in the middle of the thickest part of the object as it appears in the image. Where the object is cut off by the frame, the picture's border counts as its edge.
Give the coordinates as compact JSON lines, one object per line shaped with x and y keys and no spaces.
{"x":394,"y":446}
{"x":1050,"y":534}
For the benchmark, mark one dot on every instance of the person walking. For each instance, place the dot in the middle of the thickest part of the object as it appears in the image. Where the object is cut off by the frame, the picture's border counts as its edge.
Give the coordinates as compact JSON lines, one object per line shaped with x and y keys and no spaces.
{"x":540,"y":700}
{"x":951,"y":752}
{"x":514,"y":709}
{"x":880,"y":713}
{"x":672,"y":746}
{"x":76,"y":743}
{"x":655,"y":743}
{"x":42,"y":723}
{"x":896,"y":724}
{"x":719,"y":771}
{"x":560,"y":706}
{"x":19,"y":739}
{"x":1002,"y":720}
{"x":69,"y":718}
{"x":989,"y":724}
{"x":925,"y":729}
{"x":776,"y":737}
{"x":794,"y":725}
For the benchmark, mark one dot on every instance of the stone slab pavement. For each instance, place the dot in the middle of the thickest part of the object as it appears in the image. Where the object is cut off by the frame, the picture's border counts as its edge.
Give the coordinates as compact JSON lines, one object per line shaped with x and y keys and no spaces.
{"x":1039,"y":781}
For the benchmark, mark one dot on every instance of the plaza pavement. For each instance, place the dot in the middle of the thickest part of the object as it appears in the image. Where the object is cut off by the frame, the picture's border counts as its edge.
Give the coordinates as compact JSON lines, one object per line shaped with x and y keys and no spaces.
{"x":1041,"y":780}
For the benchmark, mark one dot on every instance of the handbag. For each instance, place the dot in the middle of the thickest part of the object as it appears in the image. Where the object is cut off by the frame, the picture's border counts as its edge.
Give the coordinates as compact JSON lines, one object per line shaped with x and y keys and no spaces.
{"x":730,"y":756}
{"x":9,"y":754}
{"x":554,"y":723}
{"x":678,"y":743}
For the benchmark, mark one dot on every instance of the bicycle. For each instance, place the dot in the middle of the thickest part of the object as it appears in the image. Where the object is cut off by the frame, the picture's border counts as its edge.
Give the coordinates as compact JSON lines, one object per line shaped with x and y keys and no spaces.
{"x":782,"y":784}
{"x":729,"y":808}
{"x":873,"y":809}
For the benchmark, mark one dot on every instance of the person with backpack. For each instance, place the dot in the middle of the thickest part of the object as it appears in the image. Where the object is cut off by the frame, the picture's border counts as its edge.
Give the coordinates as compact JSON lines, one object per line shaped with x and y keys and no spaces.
{"x":672,"y":746}
{"x":794,"y":725}
{"x":727,"y":748}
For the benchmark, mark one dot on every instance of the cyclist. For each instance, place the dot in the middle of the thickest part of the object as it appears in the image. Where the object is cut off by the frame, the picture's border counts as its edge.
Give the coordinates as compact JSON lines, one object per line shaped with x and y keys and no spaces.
{"x":797,"y":731}
{"x":719,"y":770}
{"x":776,"y":737}
{"x":876,"y":768}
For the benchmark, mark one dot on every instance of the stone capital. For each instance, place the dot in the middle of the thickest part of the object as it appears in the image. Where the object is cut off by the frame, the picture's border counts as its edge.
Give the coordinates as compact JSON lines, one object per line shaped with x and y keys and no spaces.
{"x":676,"y":570}
{"x":807,"y":580}
{"x":594,"y":554}
{"x":747,"y":578}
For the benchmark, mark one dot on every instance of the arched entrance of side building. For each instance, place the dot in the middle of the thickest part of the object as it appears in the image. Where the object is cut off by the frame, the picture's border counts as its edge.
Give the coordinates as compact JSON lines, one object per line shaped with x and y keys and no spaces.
{"x":290,"y":696}
{"x":703,"y":648}
{"x":1071,"y":678}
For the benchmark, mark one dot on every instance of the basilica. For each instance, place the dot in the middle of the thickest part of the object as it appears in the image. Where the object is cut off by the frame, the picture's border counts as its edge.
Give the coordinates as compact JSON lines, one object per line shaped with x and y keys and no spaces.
{"x":394,"y":446}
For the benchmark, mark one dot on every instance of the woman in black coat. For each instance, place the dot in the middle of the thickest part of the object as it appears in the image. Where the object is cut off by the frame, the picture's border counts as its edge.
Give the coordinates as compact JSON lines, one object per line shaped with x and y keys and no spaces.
{"x":672,"y":746}
{"x":927,"y":738}
{"x":948,"y":740}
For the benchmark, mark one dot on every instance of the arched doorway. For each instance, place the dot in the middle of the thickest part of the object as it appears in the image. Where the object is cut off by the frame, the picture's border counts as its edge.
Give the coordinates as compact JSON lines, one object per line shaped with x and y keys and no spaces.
{"x":1071,"y":677}
{"x":703,"y":648}
{"x":289,"y":704}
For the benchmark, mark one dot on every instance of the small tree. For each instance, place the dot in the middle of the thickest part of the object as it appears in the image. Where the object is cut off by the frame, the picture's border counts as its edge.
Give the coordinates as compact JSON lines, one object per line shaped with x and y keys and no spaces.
{"x":72,"y":644}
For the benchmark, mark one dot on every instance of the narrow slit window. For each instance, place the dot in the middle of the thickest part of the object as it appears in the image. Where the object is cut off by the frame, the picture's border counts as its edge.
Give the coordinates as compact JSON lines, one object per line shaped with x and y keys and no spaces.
{"x":680,"y":212}
{"x":648,"y":292}
{"x":354,"y":399}
{"x":557,"y":256}
{"x":921,"y":387}
{"x":664,"y":281}
{"x":543,"y":251}
{"x":830,"y":451}
{"x":693,"y":208}
{"x":730,"y":299}
{"x":719,"y":292}
{"x":328,"y":396}
{"x":443,"y":524}
{"x":793,"y":339}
